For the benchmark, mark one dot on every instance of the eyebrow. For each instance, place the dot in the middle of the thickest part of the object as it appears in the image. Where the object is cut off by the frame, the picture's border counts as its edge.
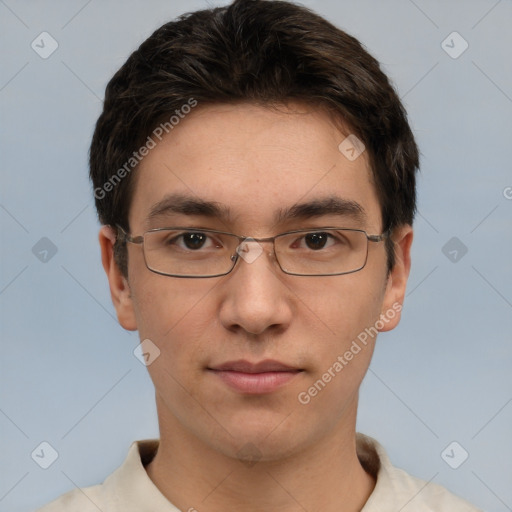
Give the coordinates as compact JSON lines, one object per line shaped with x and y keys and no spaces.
{"x":332,"y":205}
{"x":188,"y":205}
{"x":193,"y":206}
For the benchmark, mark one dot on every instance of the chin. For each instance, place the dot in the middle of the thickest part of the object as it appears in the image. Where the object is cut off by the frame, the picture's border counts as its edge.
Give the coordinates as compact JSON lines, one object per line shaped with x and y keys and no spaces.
{"x":259,"y":436}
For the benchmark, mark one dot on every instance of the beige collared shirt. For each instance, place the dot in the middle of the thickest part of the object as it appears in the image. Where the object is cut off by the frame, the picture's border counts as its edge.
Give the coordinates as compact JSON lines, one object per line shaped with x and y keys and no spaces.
{"x":129,"y":489}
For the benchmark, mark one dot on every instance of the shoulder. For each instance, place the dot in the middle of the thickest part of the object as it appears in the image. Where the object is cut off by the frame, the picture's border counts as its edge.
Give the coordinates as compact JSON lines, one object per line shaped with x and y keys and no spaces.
{"x":87,"y":499}
{"x":127,"y":489}
{"x":395,"y":489}
{"x":426,"y":496}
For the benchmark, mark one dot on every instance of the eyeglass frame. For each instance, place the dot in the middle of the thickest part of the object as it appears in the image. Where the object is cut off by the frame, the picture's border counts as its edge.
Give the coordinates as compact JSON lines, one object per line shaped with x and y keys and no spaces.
{"x":139,"y":240}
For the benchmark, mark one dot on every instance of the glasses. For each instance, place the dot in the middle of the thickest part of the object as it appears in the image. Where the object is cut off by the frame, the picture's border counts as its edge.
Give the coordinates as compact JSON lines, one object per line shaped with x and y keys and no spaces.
{"x":190,"y":252}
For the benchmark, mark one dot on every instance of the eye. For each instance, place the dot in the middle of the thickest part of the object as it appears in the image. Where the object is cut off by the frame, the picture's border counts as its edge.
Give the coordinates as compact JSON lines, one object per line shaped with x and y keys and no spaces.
{"x":315,"y":241}
{"x":193,"y":241}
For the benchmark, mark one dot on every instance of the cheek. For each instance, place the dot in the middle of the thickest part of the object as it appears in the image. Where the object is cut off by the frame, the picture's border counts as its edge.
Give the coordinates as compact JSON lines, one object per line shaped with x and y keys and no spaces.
{"x":175,"y":320}
{"x":346,"y":311}
{"x":174,"y":316}
{"x":341,"y":329}
{"x":343,"y":306}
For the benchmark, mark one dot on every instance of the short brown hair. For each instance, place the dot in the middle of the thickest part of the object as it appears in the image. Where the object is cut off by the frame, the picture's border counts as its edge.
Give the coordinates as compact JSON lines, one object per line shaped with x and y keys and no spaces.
{"x":262,"y":51}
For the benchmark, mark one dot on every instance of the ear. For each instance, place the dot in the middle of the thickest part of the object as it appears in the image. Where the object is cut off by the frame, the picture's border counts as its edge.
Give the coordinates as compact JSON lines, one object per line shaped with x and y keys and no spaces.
{"x":119,"y":286}
{"x":397,"y":279}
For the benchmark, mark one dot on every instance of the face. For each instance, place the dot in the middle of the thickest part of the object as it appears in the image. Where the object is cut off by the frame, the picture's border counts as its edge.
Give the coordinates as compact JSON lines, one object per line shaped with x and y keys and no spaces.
{"x":259,"y":167}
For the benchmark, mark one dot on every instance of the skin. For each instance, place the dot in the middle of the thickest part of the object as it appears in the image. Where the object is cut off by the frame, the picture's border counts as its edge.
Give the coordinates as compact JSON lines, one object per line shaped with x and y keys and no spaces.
{"x":256,"y":161}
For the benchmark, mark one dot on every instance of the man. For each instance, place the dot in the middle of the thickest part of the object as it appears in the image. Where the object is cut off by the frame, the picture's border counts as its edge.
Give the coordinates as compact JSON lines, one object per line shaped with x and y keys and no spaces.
{"x":254,"y":173}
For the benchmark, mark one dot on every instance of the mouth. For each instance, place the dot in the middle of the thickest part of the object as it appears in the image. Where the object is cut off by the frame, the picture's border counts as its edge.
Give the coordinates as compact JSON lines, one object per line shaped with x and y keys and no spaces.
{"x":255,"y":378}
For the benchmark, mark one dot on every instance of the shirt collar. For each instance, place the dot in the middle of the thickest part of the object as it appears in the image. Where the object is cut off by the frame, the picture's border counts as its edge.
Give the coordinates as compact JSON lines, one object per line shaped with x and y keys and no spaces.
{"x":134,"y":490}
{"x":131,"y":485}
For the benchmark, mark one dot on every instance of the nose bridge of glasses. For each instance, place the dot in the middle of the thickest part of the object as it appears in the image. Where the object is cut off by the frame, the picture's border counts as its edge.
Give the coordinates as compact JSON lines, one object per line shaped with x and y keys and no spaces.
{"x":250,"y":249}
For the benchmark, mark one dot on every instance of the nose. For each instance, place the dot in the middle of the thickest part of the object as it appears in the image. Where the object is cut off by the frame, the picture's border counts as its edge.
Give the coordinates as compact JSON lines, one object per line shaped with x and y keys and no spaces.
{"x":254,"y":297}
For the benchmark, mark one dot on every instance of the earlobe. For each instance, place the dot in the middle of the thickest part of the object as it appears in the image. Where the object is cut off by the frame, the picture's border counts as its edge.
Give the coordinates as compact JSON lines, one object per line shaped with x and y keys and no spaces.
{"x":397,"y":279}
{"x":119,"y":286}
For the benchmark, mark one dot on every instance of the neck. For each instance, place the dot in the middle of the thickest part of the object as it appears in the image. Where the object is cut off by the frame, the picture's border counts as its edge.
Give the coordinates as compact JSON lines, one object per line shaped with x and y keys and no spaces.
{"x":326,"y":475}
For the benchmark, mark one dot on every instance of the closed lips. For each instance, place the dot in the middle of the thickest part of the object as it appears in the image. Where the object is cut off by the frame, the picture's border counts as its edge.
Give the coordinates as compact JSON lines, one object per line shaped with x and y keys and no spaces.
{"x":265,"y":366}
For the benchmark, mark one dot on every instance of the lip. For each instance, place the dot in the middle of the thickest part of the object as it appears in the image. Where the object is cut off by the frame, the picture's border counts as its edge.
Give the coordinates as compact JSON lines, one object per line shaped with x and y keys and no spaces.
{"x":255,"y":378}
{"x":244,"y":366}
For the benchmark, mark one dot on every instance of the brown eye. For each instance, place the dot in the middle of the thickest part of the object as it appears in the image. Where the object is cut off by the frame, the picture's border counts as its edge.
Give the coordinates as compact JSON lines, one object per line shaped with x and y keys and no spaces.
{"x":194,"y":240}
{"x":316,"y":241}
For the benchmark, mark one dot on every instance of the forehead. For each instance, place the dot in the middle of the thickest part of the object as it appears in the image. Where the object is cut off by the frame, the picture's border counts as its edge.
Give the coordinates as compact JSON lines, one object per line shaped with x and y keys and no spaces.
{"x":254,"y":163}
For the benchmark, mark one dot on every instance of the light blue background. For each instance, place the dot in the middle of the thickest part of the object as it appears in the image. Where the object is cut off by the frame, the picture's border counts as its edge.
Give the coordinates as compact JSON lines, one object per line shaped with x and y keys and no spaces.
{"x":68,"y":374}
